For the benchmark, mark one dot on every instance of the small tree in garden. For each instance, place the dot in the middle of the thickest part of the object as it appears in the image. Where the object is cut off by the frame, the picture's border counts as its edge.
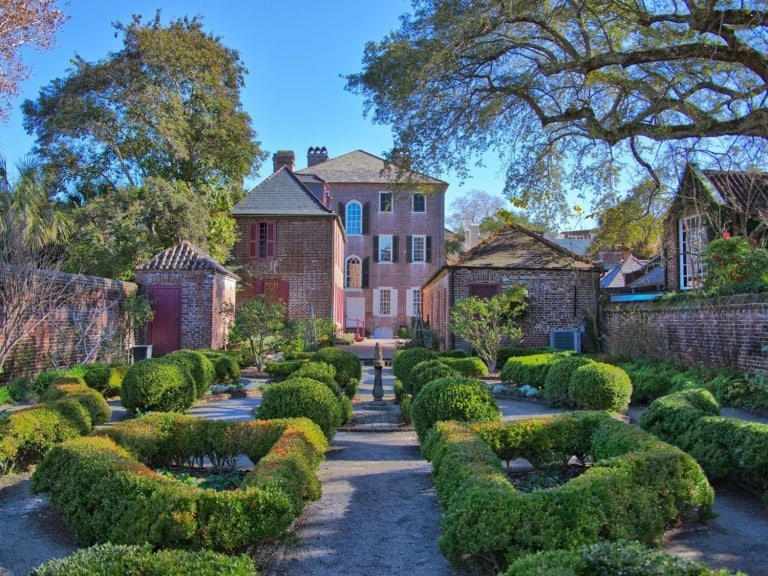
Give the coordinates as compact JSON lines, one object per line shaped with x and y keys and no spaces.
{"x":261,"y":324}
{"x":487,"y":323}
{"x":734,"y":265}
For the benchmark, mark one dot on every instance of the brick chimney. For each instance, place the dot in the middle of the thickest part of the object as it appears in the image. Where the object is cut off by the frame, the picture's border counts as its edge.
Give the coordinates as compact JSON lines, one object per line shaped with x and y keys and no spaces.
{"x":316,"y":155}
{"x":283,"y":158}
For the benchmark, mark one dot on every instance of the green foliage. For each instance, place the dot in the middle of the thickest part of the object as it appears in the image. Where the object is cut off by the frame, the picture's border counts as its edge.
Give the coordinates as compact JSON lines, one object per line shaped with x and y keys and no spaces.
{"x":347,"y":411}
{"x":349,"y":370}
{"x":733,"y":266}
{"x":260,"y":323}
{"x":507,"y":353}
{"x":158,"y":385}
{"x":600,"y":386}
{"x":529,"y":369}
{"x":116,"y":374}
{"x":199,"y":366}
{"x":405,"y":409}
{"x":97,"y":376}
{"x":225,"y":367}
{"x":424,"y":372}
{"x":114,"y":560}
{"x":452,"y":398}
{"x":302,"y":397}
{"x":406,"y":359}
{"x":139,"y":309}
{"x":637,"y":488}
{"x":399,"y":390}
{"x":650,"y":379}
{"x":452,"y":354}
{"x":44,"y":379}
{"x":282,"y":369}
{"x":630,"y":558}
{"x":471,"y":367}
{"x":555,"y":389}
{"x":320,"y":371}
{"x":486,"y":323}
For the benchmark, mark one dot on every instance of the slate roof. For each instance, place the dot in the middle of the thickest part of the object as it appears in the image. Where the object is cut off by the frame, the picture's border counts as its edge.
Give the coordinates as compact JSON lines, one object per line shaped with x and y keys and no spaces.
{"x":616,"y":277}
{"x":744,"y":191}
{"x":516,"y":247}
{"x":360,"y":167}
{"x":281,"y":194}
{"x":184,"y":256}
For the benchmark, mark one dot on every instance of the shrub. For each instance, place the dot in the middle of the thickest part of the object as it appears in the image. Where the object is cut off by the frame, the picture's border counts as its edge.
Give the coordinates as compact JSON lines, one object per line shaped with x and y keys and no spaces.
{"x":426,"y":371}
{"x":281,"y":369}
{"x":94,"y":403}
{"x":199,"y":366}
{"x":226,"y":369}
{"x":404,"y":361}
{"x":471,"y":367}
{"x":600,"y":386}
{"x":320,"y":371}
{"x":116,"y":374}
{"x":650,"y":380}
{"x":349,"y":371}
{"x":97,"y":376}
{"x":44,"y":379}
{"x":60,"y":388}
{"x":555,"y":390}
{"x":452,"y":354}
{"x":453,"y":398}
{"x":399,"y":389}
{"x":347,"y":412}
{"x":515,"y":351}
{"x":157,"y":385}
{"x":302,"y":397}
{"x":529,"y":369}
{"x":114,"y":559}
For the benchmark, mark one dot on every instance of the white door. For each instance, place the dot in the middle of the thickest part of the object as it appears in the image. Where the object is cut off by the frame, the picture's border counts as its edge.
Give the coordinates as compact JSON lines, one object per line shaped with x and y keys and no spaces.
{"x":355,"y":312}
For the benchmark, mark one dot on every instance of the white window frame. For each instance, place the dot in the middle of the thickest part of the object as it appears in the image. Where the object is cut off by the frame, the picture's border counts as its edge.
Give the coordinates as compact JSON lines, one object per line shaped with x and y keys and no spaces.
{"x":353,"y":226}
{"x":413,"y":203}
{"x":386,"y":239}
{"x":347,"y":274}
{"x":415,"y":256}
{"x":692,"y":234}
{"x":382,"y":195}
{"x":382,"y":298}
{"x":414,"y":303}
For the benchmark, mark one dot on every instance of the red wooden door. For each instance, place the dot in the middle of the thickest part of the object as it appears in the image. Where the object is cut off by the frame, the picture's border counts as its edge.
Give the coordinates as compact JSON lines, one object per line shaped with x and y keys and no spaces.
{"x":165,"y":329}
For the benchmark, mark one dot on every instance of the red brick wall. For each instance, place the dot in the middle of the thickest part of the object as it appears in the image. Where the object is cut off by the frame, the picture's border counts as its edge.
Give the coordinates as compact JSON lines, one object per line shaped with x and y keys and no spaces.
{"x":307,"y":253}
{"x":401,"y":222}
{"x":93,"y":315}
{"x":557,"y":299}
{"x":727,"y":332}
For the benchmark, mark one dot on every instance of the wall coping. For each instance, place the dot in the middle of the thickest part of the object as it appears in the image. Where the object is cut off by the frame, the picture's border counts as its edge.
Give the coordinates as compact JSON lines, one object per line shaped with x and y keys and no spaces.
{"x":692,"y":303}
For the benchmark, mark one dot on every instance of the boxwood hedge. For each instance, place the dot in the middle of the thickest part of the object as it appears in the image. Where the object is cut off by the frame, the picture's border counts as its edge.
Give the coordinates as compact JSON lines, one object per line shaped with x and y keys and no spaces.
{"x":107,"y":494}
{"x":159,"y":385}
{"x":638,"y":486}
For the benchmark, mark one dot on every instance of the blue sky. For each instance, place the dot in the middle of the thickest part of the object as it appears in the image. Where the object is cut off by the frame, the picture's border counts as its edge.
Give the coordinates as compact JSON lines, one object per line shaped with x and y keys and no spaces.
{"x":297,"y":53}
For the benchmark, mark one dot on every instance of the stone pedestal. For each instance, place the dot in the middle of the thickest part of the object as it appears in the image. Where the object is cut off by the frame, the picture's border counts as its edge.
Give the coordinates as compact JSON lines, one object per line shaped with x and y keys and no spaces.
{"x":378,"y":386}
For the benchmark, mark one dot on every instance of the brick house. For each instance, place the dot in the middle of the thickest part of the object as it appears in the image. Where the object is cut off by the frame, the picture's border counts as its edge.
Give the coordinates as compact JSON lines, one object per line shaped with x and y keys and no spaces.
{"x":394,"y":236}
{"x":563,"y":287}
{"x":707,"y":204}
{"x":192,"y":297}
{"x":291,"y":244}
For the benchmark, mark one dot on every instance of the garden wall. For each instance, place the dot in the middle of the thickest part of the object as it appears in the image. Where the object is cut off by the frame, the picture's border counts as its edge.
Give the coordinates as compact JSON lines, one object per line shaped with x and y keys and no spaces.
{"x":725,"y":332}
{"x":89,"y":326}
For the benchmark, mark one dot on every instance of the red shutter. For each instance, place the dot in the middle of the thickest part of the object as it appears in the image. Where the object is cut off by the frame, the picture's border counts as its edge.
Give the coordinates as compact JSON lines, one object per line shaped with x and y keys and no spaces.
{"x":282,"y":293}
{"x":253,"y":240}
{"x":271,"y":240}
{"x":258,"y":287}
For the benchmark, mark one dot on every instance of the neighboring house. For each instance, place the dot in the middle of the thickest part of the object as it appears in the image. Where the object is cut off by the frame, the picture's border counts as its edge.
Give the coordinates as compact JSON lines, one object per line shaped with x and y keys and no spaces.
{"x":192,"y":296}
{"x":707,"y":204}
{"x":563,"y":287}
{"x":394,"y":233}
{"x":291,"y":244}
{"x":577,"y":241}
{"x":633,"y":279}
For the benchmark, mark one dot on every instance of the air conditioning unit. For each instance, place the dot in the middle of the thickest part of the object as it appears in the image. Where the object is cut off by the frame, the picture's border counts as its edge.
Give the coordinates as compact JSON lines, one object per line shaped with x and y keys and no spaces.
{"x":565,"y":340}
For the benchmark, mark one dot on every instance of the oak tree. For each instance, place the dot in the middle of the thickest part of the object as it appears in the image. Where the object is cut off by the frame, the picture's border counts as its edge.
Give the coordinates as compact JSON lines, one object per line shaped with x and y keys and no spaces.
{"x":573,"y":92}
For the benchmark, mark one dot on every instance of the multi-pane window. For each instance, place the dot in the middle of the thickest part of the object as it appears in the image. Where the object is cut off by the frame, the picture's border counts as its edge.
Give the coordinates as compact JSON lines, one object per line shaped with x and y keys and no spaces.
{"x":354,"y":218}
{"x":419,"y":249}
{"x":385,"y":302}
{"x":385,"y":248}
{"x":354,"y":272}
{"x":414,"y":303}
{"x":419,"y":203}
{"x":693,"y":243}
{"x":385,"y":201}
{"x":262,"y":237}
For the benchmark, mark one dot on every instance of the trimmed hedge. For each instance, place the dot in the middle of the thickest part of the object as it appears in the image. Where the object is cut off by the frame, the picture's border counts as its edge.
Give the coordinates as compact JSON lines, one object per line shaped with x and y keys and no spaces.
{"x":281,"y":369}
{"x":530,"y":369}
{"x":158,"y":385}
{"x":302,"y":397}
{"x":406,"y":359}
{"x":349,"y":370}
{"x":453,"y":398}
{"x":555,"y":389}
{"x":424,"y":372}
{"x":506,"y":353}
{"x":638,"y":486}
{"x":471,"y":367}
{"x":116,"y":560}
{"x":226,"y":370}
{"x":106,"y":494}
{"x":629,"y":558}
{"x":26,"y":435}
{"x":199,"y":366}
{"x":724,"y":447}
{"x":600,"y":386}
{"x":320,"y":371}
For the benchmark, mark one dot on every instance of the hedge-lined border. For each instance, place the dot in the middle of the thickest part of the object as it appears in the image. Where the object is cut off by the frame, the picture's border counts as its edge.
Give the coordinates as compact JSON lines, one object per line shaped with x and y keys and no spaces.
{"x":726,"y":448}
{"x":66,"y":411}
{"x":638,"y":486}
{"x":107,"y":493}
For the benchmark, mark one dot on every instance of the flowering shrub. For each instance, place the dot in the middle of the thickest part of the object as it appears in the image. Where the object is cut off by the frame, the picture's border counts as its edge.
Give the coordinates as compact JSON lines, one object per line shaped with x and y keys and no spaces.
{"x":735,"y":265}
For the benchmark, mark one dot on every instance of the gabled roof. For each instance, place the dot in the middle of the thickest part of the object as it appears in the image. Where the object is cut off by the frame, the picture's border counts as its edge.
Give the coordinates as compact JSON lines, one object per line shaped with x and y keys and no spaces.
{"x":616,"y":277}
{"x":744,"y":191}
{"x":184,"y":256}
{"x":516,"y":247}
{"x":360,"y":167}
{"x":281,"y":194}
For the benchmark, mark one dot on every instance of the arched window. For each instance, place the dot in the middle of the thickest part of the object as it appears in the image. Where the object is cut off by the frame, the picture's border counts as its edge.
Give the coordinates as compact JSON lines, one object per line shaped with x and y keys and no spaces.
{"x":354,"y":218}
{"x":353,"y":273}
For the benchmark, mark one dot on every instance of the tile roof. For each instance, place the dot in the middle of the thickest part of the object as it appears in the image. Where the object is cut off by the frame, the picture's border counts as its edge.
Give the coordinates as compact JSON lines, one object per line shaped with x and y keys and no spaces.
{"x":360,"y":167}
{"x":516,"y":247}
{"x":184,"y":256}
{"x":281,"y":194}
